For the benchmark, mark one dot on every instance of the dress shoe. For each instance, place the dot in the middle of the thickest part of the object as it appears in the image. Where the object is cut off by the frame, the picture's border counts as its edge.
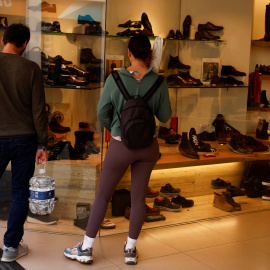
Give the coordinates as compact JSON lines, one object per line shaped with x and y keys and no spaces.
{"x":129,"y":23}
{"x":233,"y":81}
{"x":189,"y":78}
{"x":265,"y":70}
{"x":171,"y":35}
{"x":231,"y":71}
{"x":53,"y":60}
{"x":75,"y":70}
{"x":129,"y":33}
{"x":209,"y":27}
{"x":56,"y":127}
{"x":146,"y":23}
{"x":87,"y":56}
{"x":56,"y":27}
{"x":150,"y":193}
{"x":186,"y":27}
{"x":147,"y":33}
{"x":205,"y":36}
{"x":178,"y":35}
{"x":71,"y":80}
{"x":45,"y":26}
{"x":177,"y":81}
{"x":174,"y":62}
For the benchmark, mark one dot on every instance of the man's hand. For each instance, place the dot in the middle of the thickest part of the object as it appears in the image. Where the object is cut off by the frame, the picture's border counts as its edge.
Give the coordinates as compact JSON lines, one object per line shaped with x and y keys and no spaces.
{"x":41,"y":156}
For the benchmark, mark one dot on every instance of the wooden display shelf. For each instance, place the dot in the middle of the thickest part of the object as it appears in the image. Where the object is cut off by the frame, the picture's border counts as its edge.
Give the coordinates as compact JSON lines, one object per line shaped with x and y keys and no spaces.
{"x":172,"y":158}
{"x":260,"y":43}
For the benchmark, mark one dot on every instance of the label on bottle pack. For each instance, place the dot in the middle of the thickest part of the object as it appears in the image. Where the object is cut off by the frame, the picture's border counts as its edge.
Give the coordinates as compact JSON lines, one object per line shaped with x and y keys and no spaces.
{"x":41,"y":195}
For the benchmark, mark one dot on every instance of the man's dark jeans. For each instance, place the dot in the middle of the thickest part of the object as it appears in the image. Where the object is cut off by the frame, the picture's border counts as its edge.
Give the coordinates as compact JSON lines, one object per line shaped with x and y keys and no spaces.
{"x":21,"y":151}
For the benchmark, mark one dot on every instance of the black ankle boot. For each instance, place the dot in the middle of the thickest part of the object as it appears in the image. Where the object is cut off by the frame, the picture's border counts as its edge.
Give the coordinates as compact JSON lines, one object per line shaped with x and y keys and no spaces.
{"x":264,"y":99}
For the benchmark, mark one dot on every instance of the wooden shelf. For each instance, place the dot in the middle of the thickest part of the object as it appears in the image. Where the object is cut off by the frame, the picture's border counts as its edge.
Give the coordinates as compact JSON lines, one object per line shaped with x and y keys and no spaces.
{"x":172,"y":158}
{"x":260,"y":43}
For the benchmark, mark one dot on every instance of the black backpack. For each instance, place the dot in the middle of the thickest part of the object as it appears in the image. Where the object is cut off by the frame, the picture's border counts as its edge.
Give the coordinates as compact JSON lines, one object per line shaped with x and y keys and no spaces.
{"x":137,"y":122}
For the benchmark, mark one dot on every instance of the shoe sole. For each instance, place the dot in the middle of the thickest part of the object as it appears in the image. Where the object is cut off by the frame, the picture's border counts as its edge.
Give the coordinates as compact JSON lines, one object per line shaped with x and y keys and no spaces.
{"x":131,"y":260}
{"x":226,"y":210}
{"x":266,"y":183}
{"x":169,"y":194}
{"x":266,"y":198}
{"x":14,"y":259}
{"x":167,"y":209}
{"x":35,"y":221}
{"x":187,"y":155}
{"x":238,"y":152}
{"x":81,"y":259}
{"x":215,"y":187}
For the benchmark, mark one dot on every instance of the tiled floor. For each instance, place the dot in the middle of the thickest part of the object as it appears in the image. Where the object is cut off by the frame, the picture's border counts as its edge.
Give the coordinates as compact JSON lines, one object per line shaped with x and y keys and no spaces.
{"x":235,"y":243}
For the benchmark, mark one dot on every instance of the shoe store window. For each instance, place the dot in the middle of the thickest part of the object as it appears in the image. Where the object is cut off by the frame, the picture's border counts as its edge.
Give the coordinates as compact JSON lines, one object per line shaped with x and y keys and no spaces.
{"x":68,"y":43}
{"x":218,"y":127}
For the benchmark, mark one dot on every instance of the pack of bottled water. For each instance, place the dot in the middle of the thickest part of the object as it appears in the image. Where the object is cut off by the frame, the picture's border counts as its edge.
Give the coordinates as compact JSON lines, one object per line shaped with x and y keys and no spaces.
{"x":41,"y":188}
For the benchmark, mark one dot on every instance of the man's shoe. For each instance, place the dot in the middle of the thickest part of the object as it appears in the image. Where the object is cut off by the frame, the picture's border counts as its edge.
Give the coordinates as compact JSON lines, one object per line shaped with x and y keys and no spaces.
{"x":200,"y":147}
{"x":87,"y":56}
{"x":220,"y":202}
{"x":174,"y":62}
{"x":150,"y":193}
{"x":205,"y":36}
{"x":167,"y":205}
{"x":53,"y":60}
{"x":209,"y":27}
{"x":76,"y":253}
{"x":256,"y":145}
{"x":238,"y":145}
{"x":131,"y":256}
{"x":186,"y":27}
{"x":183,"y":201}
{"x":146,"y":23}
{"x":231,"y":71}
{"x":11,"y":254}
{"x":41,"y":219}
{"x":168,"y":190}
{"x":152,"y":218}
{"x":151,"y":211}
{"x":219,"y":184}
{"x":233,"y":82}
{"x":171,"y":35}
{"x":129,"y":23}
{"x":178,"y":35}
{"x":147,"y":33}
{"x":231,"y":201}
{"x":186,"y":148}
{"x":236,"y":191}
{"x":186,"y":76}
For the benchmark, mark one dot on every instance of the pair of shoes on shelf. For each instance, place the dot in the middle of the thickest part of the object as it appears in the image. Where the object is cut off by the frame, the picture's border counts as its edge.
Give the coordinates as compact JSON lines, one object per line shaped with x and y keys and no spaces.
{"x":129,"y":23}
{"x":192,"y":147}
{"x":204,"y":30}
{"x":225,"y":202}
{"x":129,"y":33}
{"x":174,"y":35}
{"x":165,"y":204}
{"x":50,"y":27}
{"x":168,"y":191}
{"x":169,"y":135}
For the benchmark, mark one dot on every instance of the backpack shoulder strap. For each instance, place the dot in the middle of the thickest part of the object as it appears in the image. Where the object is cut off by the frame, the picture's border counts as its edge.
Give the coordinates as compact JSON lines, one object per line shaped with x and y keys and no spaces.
{"x":120,"y":84}
{"x":153,"y":89}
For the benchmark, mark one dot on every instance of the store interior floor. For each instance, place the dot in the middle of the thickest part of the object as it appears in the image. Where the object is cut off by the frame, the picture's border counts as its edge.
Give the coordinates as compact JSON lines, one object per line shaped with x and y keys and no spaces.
{"x":233,"y":242}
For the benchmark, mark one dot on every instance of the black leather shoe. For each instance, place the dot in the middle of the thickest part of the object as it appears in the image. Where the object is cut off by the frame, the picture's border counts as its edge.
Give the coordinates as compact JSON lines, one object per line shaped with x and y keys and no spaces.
{"x":209,"y":27}
{"x":187,"y":77}
{"x":205,"y":36}
{"x":146,"y":23}
{"x":75,"y":70}
{"x":231,"y":71}
{"x":171,"y":35}
{"x":56,"y":27}
{"x":59,"y":58}
{"x":233,"y":81}
{"x":186,"y":27}
{"x":178,"y":34}
{"x":175,"y":63}
{"x":124,"y":33}
{"x":135,"y":24}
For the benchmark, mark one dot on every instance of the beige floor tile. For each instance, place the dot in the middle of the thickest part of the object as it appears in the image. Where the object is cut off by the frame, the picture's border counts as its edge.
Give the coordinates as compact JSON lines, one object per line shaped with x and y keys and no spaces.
{"x":234,"y":256}
{"x":262,"y":244}
{"x":148,"y":247}
{"x":51,"y":257}
{"x":242,"y":227}
{"x":177,"y":261}
{"x":189,"y":237}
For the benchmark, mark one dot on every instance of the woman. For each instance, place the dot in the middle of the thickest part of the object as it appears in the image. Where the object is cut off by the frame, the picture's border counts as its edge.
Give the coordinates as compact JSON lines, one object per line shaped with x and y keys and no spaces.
{"x":138,"y":79}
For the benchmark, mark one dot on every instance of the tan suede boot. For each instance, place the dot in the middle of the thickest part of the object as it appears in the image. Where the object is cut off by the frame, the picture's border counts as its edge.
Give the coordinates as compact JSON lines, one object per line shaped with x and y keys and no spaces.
{"x":220,"y":202}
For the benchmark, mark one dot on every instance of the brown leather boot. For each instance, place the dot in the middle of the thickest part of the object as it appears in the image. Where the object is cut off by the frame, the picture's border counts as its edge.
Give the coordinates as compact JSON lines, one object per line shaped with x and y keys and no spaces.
{"x":221,"y":202}
{"x":149,"y":193}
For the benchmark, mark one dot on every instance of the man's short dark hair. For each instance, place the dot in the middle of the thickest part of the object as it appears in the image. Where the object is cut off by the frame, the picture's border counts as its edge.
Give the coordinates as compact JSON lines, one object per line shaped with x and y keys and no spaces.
{"x":16,"y":34}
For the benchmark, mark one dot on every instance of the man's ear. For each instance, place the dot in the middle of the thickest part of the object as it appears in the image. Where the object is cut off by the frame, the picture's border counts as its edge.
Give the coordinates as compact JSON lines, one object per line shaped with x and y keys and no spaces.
{"x":24,"y":44}
{"x":2,"y":41}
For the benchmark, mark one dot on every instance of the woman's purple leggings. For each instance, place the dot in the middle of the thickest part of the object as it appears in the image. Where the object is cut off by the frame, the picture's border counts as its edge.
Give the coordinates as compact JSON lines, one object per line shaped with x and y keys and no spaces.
{"x":117,"y":160}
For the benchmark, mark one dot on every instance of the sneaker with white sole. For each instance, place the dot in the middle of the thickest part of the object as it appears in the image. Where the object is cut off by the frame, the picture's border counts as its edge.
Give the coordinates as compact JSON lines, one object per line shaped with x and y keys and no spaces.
{"x":11,"y":254}
{"x":76,"y":253}
{"x":131,"y":255}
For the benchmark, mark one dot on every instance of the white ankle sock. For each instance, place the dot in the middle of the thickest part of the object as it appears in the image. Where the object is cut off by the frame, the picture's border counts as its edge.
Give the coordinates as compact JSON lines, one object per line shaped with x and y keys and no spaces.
{"x":87,"y":242}
{"x":131,"y":243}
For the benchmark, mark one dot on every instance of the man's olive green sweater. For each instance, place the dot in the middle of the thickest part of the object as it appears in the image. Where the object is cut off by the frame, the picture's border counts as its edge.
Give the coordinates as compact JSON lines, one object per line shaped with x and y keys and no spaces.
{"x":22,"y":99}
{"x":111,"y":95}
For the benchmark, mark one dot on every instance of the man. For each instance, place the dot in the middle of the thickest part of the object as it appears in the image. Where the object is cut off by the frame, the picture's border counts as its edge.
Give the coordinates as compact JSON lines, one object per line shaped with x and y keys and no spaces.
{"x":23,"y":130}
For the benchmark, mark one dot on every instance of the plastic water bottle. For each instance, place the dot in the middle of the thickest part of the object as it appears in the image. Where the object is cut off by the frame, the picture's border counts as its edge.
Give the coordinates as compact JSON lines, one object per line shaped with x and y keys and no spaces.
{"x":41,"y":188}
